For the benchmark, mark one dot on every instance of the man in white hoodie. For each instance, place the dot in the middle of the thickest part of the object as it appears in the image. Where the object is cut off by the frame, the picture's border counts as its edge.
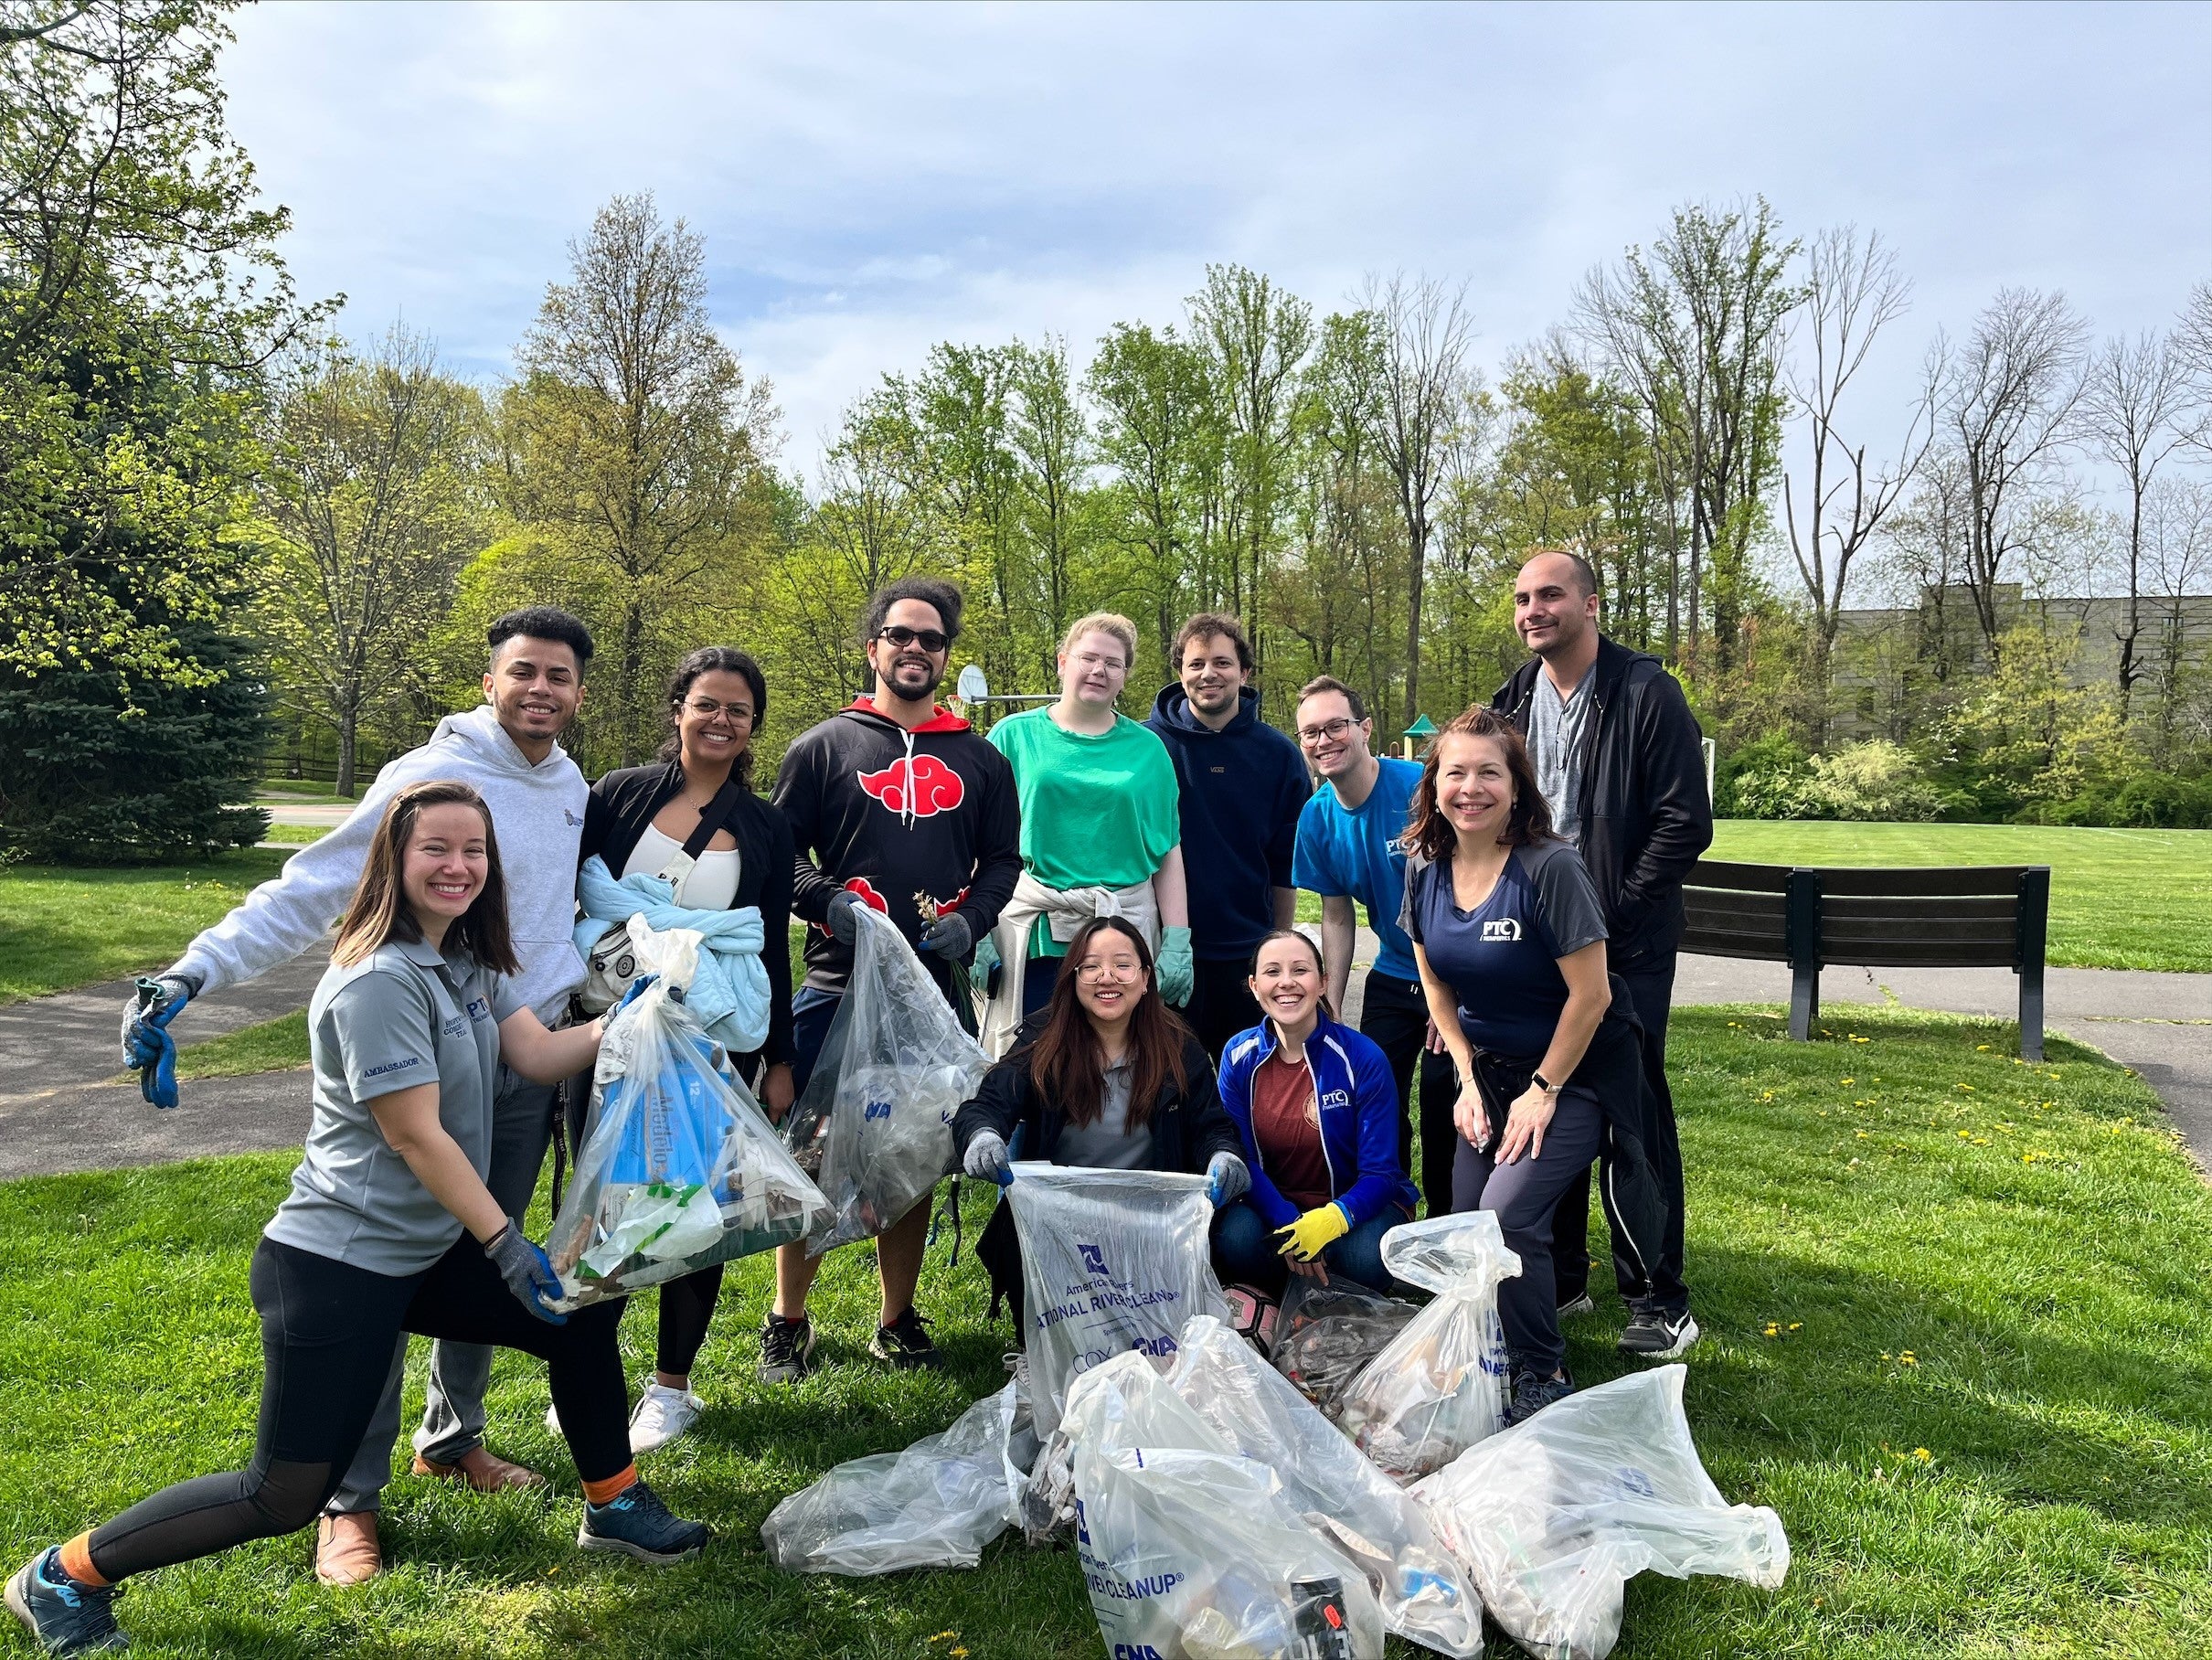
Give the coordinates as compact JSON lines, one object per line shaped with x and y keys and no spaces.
{"x":508,"y":749}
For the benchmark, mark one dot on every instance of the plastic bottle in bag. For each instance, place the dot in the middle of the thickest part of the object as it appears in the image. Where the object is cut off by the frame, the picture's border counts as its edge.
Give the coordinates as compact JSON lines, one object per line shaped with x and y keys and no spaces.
{"x":1111,"y":1260}
{"x":1326,"y":1335}
{"x":1189,"y":1550}
{"x":878,"y":1112}
{"x":1425,"y":1594}
{"x":1439,"y":1386}
{"x":1555,"y":1515}
{"x":679,"y":1169}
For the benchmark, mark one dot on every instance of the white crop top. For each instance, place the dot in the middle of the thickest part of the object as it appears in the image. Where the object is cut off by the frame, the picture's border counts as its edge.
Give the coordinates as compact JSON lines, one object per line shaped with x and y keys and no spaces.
{"x":709,"y":885}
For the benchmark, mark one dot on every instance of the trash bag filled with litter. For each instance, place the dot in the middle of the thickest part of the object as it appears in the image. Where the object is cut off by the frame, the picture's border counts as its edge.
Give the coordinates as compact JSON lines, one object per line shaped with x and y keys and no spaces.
{"x":1326,"y":1335}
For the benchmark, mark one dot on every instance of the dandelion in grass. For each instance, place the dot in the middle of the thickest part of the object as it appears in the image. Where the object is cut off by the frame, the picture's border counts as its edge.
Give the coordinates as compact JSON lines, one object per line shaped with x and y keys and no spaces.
{"x":1923,"y":1454}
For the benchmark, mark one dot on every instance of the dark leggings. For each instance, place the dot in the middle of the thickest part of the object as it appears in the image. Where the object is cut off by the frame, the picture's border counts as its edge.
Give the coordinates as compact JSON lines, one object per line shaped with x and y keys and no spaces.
{"x":1523,"y":1196}
{"x":327,"y":1331}
{"x":687,"y":1311}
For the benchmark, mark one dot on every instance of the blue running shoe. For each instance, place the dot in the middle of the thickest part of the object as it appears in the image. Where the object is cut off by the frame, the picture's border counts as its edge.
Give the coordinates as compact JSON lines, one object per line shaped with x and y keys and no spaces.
{"x":66,"y":1618}
{"x":1532,"y":1394}
{"x":637,"y":1524}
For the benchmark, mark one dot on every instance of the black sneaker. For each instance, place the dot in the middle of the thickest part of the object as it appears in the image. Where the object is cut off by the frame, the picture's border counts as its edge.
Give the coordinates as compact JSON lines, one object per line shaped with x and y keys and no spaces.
{"x":637,"y":1524}
{"x":1577,"y":1306}
{"x":1532,"y":1394}
{"x":64,"y":1617}
{"x":787,"y":1348}
{"x":1656,"y":1334}
{"x":905,"y":1342}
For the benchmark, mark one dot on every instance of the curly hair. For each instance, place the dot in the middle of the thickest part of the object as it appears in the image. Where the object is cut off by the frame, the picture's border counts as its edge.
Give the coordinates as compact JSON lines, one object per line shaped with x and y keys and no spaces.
{"x":1430,"y":834}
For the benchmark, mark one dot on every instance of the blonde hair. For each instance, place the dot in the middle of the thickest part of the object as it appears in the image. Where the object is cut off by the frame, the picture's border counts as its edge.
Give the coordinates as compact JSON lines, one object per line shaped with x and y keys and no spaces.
{"x":1103,"y":622}
{"x":378,"y":910}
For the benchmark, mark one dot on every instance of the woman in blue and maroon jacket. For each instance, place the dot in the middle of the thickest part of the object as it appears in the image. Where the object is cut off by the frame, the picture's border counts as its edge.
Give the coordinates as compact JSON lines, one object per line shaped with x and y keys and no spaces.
{"x":1316,"y":1105}
{"x":638,"y":819}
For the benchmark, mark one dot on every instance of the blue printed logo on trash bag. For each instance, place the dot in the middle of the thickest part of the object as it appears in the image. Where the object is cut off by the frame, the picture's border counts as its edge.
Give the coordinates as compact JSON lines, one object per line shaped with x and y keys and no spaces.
{"x":877,"y":1108}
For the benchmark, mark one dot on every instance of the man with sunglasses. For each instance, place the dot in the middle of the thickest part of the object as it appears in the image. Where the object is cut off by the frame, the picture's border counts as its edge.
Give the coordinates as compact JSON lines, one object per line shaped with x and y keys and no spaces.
{"x":899,"y":806}
{"x":1348,"y":851}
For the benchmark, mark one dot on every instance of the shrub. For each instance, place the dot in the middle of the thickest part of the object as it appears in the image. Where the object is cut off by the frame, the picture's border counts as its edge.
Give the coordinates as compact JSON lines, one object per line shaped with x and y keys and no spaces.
{"x":1876,"y":780}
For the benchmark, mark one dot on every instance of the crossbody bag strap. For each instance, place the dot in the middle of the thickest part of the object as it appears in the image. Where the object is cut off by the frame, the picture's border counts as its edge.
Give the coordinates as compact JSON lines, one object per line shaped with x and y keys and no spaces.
{"x":713,"y":816}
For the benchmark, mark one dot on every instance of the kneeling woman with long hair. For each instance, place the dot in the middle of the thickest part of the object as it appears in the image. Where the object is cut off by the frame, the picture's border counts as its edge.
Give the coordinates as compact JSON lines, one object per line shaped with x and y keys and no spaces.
{"x":406,"y":1031}
{"x":1318,"y":1110}
{"x":1103,"y":1076}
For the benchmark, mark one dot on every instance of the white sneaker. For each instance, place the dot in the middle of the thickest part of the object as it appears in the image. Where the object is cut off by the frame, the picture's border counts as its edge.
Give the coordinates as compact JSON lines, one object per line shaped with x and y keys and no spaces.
{"x":661,"y":1415}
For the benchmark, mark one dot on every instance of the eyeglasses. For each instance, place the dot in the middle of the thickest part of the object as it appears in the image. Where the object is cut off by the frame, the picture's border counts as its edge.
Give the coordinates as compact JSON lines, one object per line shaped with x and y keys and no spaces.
{"x":1092,"y":971}
{"x":1329,"y":731}
{"x":928,"y":639}
{"x":707,"y":710}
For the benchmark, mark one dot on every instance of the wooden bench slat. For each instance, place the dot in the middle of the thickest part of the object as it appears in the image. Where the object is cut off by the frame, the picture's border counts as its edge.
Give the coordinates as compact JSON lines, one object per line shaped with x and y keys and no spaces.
{"x":1925,"y":913}
{"x":1735,"y":878}
{"x":1909,"y":953}
{"x":1838,"y":880}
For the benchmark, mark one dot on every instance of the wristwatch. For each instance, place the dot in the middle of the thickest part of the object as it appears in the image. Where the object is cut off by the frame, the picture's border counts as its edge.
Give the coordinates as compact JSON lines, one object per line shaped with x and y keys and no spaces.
{"x":1544,"y":1083}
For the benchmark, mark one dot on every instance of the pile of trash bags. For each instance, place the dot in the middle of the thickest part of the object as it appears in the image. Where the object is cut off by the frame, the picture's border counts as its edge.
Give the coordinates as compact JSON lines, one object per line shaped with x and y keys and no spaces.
{"x":874,"y":1125}
{"x":679,"y":1169}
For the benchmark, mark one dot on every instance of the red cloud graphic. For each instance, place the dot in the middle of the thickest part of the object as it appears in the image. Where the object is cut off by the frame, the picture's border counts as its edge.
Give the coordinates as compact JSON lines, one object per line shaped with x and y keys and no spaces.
{"x":936,"y":787}
{"x":868,"y":897}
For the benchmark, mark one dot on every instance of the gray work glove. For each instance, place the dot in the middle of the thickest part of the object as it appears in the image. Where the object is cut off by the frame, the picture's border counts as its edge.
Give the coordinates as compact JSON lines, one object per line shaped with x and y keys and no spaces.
{"x":145,"y":1018}
{"x":1227,"y":1179}
{"x":527,"y":1272}
{"x":986,"y":1159}
{"x":949,"y":937}
{"x":843,"y":916}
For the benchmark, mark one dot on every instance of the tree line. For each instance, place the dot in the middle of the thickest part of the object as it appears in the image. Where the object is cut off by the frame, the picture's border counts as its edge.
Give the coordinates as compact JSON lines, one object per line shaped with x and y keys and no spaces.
{"x":221,"y":513}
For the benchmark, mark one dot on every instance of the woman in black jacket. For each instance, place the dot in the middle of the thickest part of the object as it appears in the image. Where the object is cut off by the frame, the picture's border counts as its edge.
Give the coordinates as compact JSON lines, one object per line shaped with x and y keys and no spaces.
{"x":638,"y":819}
{"x":1103,"y":1076}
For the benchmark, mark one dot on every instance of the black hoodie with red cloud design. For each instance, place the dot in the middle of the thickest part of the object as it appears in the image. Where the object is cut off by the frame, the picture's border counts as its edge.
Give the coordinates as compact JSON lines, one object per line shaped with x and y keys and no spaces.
{"x":894,"y":817}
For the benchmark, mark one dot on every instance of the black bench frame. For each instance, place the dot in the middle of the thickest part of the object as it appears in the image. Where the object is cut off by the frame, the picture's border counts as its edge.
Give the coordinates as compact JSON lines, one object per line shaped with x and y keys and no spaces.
{"x":1975,"y":916}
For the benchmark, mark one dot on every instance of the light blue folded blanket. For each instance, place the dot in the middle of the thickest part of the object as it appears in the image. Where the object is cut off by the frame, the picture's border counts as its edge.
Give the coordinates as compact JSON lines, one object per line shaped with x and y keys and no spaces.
{"x":729,"y":994}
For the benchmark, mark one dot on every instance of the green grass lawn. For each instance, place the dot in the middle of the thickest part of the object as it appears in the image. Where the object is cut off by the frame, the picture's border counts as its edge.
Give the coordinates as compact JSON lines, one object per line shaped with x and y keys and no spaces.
{"x":2120,"y":898}
{"x":296,"y":836}
{"x":62,"y":927}
{"x":1955,"y":1338}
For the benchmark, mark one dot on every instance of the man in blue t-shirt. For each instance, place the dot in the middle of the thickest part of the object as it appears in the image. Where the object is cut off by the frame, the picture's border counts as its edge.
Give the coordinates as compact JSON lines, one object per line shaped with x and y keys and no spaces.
{"x":1348,"y":850}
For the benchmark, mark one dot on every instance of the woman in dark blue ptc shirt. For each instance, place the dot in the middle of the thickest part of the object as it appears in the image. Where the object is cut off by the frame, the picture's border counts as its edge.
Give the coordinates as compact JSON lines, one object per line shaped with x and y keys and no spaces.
{"x":1510,"y":941}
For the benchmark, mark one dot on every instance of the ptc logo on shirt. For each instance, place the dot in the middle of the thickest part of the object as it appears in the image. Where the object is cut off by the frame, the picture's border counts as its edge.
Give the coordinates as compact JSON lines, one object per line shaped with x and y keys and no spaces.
{"x":1501,"y":930}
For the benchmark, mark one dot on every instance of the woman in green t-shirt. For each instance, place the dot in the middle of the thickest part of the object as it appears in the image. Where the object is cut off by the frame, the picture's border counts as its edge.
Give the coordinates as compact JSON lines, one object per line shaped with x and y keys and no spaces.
{"x":1101,"y":832}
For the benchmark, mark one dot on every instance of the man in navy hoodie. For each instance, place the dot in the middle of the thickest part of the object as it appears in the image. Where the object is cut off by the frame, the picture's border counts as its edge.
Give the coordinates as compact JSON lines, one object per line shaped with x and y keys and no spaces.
{"x":1243,"y":785}
{"x":897,"y":805}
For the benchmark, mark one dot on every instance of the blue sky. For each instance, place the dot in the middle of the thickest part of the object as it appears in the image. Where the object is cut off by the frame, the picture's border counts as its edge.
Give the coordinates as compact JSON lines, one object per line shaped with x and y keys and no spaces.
{"x":872,"y":180}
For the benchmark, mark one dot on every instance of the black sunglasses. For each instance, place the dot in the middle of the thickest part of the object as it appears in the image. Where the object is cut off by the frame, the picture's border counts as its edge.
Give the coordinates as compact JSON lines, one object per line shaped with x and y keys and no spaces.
{"x":928,"y":639}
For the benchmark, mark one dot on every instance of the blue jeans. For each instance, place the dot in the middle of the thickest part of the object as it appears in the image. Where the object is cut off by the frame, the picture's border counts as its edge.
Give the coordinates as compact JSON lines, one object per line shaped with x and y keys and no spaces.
{"x":1246,"y":1250}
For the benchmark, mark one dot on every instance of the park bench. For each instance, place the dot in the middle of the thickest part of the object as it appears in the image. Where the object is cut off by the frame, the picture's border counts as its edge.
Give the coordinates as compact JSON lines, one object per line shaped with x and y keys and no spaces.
{"x":1975,"y":916}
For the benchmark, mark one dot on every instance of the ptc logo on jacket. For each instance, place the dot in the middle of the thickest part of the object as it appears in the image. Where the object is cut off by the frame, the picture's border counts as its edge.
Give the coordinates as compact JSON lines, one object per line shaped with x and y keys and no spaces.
{"x":920,"y":788}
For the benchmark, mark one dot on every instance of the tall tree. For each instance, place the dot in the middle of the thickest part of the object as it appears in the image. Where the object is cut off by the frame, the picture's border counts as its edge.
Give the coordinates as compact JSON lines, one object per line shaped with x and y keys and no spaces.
{"x":2005,"y":396}
{"x":1852,"y":291}
{"x":635,"y":440}
{"x":1426,"y":332}
{"x":2135,"y":412}
{"x":374,"y":495}
{"x":1155,"y":414}
{"x":1050,"y":437}
{"x":1256,"y":336}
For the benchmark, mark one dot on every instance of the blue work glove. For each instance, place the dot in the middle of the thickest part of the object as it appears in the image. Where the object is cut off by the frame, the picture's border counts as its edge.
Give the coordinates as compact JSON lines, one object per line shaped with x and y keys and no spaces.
{"x":949,"y":937}
{"x":987,"y":960}
{"x":147,"y":1044}
{"x":986,"y":1159}
{"x":1172,"y":970}
{"x":844,"y":919}
{"x":1227,"y":1179}
{"x":530,"y":1276}
{"x":637,"y":990}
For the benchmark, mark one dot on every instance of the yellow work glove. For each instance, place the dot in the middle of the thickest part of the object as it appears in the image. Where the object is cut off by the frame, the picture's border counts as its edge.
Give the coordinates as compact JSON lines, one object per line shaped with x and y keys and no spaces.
{"x":1315,"y":1232}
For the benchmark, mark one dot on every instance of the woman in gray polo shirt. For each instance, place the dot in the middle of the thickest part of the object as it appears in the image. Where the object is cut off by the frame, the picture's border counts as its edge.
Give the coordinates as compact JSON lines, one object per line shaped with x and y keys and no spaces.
{"x":406,"y":1030}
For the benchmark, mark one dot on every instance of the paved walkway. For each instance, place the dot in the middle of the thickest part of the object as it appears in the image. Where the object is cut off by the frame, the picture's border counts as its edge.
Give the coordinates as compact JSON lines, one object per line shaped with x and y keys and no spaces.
{"x":58,"y":1112}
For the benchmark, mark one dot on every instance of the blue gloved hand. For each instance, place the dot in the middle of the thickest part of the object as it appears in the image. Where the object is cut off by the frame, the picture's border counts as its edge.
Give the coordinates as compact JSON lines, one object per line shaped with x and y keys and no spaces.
{"x":950,"y":936}
{"x":1227,"y":1179}
{"x":985,"y":1159}
{"x":844,"y":919}
{"x":636,"y":990}
{"x":527,"y":1272}
{"x":1174,"y":970}
{"x":147,"y":1044}
{"x":987,"y":960}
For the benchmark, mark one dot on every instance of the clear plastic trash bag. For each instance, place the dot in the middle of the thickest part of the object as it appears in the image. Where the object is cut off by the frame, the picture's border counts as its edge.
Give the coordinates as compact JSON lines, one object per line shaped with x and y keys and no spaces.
{"x":1439,"y":1386}
{"x":1556,"y":1515}
{"x":679,"y":1167}
{"x":874,"y":1124}
{"x":1425,"y":1594}
{"x":1111,"y":1260}
{"x":936,"y":1505}
{"x":1326,"y":1335}
{"x":1192,"y":1551}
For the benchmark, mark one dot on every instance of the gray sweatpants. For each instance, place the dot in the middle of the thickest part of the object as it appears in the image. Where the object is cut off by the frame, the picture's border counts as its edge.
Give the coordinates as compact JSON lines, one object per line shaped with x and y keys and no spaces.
{"x":453,"y":1419}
